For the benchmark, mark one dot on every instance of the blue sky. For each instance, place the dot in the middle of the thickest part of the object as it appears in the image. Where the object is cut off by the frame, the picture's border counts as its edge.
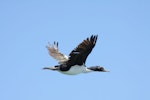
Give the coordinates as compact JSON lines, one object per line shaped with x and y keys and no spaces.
{"x":123,"y":47}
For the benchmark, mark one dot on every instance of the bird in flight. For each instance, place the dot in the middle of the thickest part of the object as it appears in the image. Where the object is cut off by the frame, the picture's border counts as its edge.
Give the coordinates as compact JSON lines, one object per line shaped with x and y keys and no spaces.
{"x":75,"y":63}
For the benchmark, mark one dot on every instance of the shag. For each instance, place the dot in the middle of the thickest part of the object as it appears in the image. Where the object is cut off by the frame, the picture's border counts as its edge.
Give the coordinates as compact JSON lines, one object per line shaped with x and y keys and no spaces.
{"x":75,"y":63}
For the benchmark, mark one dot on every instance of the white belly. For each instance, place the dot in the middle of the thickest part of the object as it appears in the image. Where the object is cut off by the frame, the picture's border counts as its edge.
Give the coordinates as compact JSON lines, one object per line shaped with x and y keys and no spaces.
{"x":75,"y":70}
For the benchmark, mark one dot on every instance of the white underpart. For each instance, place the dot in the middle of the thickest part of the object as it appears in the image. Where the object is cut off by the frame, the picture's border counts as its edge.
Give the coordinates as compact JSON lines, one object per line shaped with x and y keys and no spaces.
{"x":76,"y":70}
{"x":56,"y":54}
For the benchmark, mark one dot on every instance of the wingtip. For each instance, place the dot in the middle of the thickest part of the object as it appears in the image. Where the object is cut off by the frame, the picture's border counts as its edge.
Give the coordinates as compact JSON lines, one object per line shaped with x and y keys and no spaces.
{"x":55,"y":43}
{"x":94,"y":38}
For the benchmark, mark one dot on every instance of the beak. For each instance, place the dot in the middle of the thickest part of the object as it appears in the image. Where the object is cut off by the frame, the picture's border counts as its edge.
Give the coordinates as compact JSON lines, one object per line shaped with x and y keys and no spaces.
{"x":106,"y":71}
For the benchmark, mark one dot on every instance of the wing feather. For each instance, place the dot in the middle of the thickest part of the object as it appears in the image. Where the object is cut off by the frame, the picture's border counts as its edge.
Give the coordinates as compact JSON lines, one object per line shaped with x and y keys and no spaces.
{"x":81,"y":52}
{"x":56,"y":54}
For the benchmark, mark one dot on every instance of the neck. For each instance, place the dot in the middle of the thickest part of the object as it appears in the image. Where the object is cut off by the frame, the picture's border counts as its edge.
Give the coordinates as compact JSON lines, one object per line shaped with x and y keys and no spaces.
{"x":94,"y":68}
{"x":88,"y":70}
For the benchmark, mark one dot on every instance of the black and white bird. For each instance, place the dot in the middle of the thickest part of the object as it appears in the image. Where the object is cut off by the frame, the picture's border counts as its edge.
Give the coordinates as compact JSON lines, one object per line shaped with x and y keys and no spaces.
{"x":75,"y":63}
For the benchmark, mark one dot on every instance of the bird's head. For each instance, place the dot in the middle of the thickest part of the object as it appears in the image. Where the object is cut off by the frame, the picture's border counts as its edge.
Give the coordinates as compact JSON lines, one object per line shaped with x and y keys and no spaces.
{"x":102,"y":69}
{"x":98,"y":68}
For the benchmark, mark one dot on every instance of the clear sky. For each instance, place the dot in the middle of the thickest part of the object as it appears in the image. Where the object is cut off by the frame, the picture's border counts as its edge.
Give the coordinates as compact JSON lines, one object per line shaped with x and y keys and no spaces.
{"x":123,"y":47}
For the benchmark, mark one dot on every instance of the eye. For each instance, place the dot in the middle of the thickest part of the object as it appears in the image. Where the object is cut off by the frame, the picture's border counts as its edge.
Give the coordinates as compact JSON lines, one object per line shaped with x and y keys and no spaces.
{"x":101,"y":68}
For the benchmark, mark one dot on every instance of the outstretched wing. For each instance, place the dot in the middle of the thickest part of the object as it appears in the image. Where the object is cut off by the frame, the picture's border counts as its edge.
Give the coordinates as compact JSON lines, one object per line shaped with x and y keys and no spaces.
{"x":54,"y":52}
{"x":79,"y":55}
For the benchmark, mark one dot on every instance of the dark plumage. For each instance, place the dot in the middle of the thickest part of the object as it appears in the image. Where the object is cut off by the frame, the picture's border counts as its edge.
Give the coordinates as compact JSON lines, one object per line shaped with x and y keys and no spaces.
{"x":75,"y":63}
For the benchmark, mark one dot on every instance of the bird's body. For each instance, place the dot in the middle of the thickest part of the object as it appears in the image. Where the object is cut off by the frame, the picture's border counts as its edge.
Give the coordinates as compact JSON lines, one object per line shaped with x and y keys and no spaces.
{"x":76,"y":69}
{"x":75,"y":63}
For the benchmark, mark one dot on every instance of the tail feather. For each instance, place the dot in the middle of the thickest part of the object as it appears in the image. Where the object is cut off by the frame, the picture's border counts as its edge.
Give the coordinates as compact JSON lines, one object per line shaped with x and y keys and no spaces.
{"x":50,"y":68}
